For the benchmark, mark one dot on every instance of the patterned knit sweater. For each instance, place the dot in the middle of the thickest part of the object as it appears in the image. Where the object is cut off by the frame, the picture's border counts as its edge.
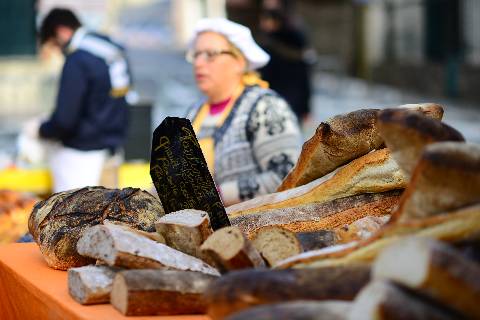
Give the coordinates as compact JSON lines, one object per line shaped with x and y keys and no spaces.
{"x":256,"y":146}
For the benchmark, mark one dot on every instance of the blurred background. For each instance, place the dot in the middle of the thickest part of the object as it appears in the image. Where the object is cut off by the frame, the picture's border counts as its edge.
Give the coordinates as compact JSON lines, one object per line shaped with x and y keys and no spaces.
{"x":365,"y":54}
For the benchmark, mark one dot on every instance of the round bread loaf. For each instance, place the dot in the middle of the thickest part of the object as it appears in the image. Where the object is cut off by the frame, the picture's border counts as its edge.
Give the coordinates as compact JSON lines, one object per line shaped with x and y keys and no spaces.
{"x":58,"y":222}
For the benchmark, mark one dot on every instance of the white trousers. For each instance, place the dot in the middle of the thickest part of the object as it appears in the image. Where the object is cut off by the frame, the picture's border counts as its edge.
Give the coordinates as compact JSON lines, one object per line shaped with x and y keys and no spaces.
{"x":73,"y":168}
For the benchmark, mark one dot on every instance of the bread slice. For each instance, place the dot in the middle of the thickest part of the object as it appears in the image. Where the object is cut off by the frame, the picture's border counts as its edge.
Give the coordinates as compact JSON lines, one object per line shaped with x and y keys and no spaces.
{"x":372,"y":173}
{"x":91,"y":284}
{"x":407,"y":132}
{"x":383,"y":300}
{"x":231,"y":250}
{"x":159,"y":292}
{"x":119,"y":247}
{"x":276,"y":243}
{"x":297,"y":310}
{"x":244,"y":289}
{"x":335,"y":142}
{"x":186,"y":230}
{"x":446,"y":178}
{"x":434,"y":269}
{"x":320,"y":215}
{"x":454,"y":226}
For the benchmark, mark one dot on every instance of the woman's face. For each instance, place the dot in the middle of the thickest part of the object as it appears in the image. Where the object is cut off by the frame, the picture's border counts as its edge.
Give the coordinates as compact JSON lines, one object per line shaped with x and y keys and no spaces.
{"x":217,"y":69}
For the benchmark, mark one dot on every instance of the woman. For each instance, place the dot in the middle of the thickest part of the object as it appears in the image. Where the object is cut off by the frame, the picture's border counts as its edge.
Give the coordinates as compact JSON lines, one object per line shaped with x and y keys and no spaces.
{"x":248,"y":134}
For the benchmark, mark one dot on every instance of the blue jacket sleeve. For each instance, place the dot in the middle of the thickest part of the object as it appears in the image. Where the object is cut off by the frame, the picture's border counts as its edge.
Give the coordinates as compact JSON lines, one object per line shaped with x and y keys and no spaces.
{"x":71,"y":94}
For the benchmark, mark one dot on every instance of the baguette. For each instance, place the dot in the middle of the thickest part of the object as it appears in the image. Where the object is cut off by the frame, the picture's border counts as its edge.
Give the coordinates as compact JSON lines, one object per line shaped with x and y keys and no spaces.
{"x":446,"y":178}
{"x":457,"y":226}
{"x":320,"y":215}
{"x":119,"y":247}
{"x":406,"y":133}
{"x":159,"y":292}
{"x":248,"y":288}
{"x":360,"y":229}
{"x":296,"y":310}
{"x":383,"y":300}
{"x":372,"y":173}
{"x":434,"y":269}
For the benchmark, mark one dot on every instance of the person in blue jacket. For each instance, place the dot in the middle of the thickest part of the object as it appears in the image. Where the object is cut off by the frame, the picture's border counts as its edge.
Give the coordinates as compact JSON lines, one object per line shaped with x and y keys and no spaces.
{"x":91,"y":114}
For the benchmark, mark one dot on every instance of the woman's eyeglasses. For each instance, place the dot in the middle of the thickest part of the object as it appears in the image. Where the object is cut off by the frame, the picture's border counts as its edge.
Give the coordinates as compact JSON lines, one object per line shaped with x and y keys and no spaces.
{"x":208,"y":55}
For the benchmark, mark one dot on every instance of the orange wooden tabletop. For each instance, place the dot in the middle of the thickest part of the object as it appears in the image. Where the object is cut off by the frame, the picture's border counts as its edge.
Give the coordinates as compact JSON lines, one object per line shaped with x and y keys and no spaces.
{"x":29,"y":289}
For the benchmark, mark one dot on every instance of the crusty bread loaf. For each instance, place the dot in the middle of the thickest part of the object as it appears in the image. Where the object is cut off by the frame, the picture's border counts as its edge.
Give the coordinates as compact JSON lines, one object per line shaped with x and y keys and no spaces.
{"x":454,"y":226}
{"x":276,"y":243}
{"x":335,"y":142}
{"x":447,"y":177}
{"x":371,"y":173}
{"x":296,"y":310}
{"x":407,"y":132}
{"x":383,"y":300}
{"x":341,"y":139}
{"x":314,"y":240}
{"x":320,"y":215}
{"x":360,"y":229}
{"x":91,"y":284}
{"x":186,"y":230}
{"x":435,"y":269}
{"x":244,"y":289}
{"x":159,"y":292}
{"x":57,"y":222}
{"x":118,"y":247}
{"x":230,"y":250}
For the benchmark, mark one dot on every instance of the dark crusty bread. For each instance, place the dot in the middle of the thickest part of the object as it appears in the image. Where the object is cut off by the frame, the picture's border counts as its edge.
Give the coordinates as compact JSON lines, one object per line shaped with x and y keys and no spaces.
{"x":296,"y":310}
{"x":407,"y":132}
{"x":447,"y":177}
{"x":372,"y":173}
{"x":244,"y":289}
{"x":434,"y":269}
{"x":159,"y":292}
{"x":57,"y":222}
{"x":341,"y":139}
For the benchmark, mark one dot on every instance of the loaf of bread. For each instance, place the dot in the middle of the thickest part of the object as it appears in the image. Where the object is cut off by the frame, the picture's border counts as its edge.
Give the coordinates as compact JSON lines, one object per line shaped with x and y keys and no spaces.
{"x":447,"y":177}
{"x":372,"y":173}
{"x":320,"y":215}
{"x":335,"y":142}
{"x":454,"y":226}
{"x":118,"y":247}
{"x":230,"y":250}
{"x":276,"y":243}
{"x":91,"y":284}
{"x":244,"y":289}
{"x":385,"y":301}
{"x":296,"y":310}
{"x":159,"y":292}
{"x":57,"y":222}
{"x":360,"y":229}
{"x":407,"y":132}
{"x":434,"y":269}
{"x":341,"y":139}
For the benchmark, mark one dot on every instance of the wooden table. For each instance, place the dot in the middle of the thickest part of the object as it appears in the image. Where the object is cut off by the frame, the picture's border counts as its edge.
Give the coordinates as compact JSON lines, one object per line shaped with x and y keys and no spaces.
{"x":29,"y":289}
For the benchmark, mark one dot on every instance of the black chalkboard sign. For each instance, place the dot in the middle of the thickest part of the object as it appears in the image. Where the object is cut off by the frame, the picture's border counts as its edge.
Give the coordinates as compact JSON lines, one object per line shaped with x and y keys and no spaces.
{"x":180,"y":173}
